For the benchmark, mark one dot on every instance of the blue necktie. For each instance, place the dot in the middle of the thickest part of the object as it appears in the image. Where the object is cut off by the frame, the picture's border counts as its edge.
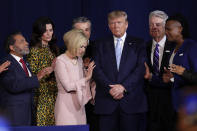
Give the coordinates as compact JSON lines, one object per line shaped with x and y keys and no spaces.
{"x":156,"y":60}
{"x":118,"y":52}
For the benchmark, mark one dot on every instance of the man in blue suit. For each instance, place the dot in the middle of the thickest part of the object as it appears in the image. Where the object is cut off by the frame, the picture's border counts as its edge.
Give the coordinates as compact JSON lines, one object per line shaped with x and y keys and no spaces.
{"x":17,"y":82}
{"x":119,"y":74}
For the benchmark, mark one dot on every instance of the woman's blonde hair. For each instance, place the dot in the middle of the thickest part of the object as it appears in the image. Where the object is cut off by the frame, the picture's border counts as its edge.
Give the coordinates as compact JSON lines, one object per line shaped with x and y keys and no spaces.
{"x":73,"y":39}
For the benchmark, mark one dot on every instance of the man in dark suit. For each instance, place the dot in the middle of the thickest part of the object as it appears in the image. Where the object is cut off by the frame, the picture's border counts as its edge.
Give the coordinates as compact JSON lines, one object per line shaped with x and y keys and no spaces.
{"x":17,"y":82}
{"x":84,"y":24}
{"x":119,"y":74}
{"x":161,"y":114}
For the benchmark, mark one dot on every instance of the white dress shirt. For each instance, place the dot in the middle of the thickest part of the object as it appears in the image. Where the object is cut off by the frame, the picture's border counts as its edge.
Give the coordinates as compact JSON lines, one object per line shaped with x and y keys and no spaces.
{"x":122,"y":40}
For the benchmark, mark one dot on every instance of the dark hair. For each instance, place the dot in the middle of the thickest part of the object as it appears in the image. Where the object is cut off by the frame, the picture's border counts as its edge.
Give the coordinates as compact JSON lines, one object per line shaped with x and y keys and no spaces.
{"x":182,"y":20}
{"x":81,"y":19}
{"x":10,"y":40}
{"x":39,"y":28}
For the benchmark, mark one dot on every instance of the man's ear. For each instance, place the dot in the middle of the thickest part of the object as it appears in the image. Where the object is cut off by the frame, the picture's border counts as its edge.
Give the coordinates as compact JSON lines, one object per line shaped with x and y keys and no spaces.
{"x":180,"y":29}
{"x":11,"y":48}
{"x":127,"y":24}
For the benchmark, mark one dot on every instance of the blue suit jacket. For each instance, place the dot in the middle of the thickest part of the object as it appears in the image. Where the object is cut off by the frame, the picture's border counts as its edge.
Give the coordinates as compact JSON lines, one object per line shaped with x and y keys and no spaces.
{"x":16,"y":93}
{"x":186,"y":56}
{"x":130,"y":75}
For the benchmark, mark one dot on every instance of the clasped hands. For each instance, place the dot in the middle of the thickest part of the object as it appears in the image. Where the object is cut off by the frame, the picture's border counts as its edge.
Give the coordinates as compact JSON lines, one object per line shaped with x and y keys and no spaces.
{"x":177,"y":69}
{"x":167,"y":75}
{"x":172,"y":68}
{"x":47,"y":70}
{"x":117,"y":91}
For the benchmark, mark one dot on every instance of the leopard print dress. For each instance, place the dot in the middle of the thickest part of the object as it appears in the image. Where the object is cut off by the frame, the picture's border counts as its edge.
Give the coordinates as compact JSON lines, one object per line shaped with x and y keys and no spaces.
{"x":45,"y":96}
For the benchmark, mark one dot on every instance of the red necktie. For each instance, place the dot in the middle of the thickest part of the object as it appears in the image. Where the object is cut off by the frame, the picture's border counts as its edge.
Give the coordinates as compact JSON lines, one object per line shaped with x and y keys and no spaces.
{"x":24,"y":66}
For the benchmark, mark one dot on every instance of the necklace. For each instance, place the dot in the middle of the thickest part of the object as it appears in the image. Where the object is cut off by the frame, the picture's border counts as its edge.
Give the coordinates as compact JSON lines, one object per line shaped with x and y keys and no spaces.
{"x":73,"y":60}
{"x":44,"y":45}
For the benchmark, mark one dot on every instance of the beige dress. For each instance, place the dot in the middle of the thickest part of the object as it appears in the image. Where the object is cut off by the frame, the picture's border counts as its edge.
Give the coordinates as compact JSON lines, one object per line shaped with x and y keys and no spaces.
{"x":73,"y":92}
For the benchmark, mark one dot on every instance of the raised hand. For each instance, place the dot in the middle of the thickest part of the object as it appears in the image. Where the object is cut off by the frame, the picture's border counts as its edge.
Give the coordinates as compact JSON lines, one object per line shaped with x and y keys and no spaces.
{"x":86,"y":62}
{"x":148,"y":74}
{"x":89,"y":71}
{"x":44,"y":72}
{"x":4,"y":66}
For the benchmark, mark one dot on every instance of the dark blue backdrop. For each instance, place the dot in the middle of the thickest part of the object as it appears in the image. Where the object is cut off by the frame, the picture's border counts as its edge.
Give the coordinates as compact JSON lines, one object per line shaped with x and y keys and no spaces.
{"x":20,"y":14}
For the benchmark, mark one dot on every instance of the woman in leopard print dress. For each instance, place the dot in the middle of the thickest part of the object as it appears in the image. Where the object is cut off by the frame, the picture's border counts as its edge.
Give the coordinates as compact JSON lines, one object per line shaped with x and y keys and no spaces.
{"x":43,"y":52}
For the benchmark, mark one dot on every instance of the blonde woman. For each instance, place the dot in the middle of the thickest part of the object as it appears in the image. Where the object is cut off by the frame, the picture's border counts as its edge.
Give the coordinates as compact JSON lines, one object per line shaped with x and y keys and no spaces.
{"x":72,"y":81}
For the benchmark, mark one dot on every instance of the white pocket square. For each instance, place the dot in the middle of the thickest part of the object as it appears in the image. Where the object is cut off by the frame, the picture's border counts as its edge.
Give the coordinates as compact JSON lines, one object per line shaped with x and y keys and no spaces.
{"x":181,"y":54}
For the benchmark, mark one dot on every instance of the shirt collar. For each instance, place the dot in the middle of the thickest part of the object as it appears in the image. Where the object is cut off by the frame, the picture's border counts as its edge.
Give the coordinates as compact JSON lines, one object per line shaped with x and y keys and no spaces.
{"x":122,"y":38}
{"x":161,"y":42}
{"x":16,"y":57}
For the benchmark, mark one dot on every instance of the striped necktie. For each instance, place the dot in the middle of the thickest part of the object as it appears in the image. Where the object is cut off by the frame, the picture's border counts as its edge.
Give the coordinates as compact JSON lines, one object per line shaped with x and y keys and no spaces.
{"x":156,"y":60}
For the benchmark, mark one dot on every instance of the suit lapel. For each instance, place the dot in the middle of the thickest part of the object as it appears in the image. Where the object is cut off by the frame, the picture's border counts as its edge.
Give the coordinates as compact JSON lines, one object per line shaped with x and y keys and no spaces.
{"x":124,"y":54}
{"x":16,"y":64}
{"x":128,"y":58}
{"x":27,"y":64}
{"x":149,"y":50}
{"x":183,"y":47}
{"x":128,"y":52}
{"x":168,"y":50}
{"x":180,"y":53}
{"x":112,"y":55}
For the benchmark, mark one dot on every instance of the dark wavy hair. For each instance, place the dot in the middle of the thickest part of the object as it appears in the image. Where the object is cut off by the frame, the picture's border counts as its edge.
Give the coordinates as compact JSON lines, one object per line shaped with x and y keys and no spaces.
{"x":182,"y":20}
{"x":39,"y":28}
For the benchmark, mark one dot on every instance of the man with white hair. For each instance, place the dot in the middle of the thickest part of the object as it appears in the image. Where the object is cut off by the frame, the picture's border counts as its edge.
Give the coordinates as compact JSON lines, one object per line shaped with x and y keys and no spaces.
{"x":159,"y":50}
